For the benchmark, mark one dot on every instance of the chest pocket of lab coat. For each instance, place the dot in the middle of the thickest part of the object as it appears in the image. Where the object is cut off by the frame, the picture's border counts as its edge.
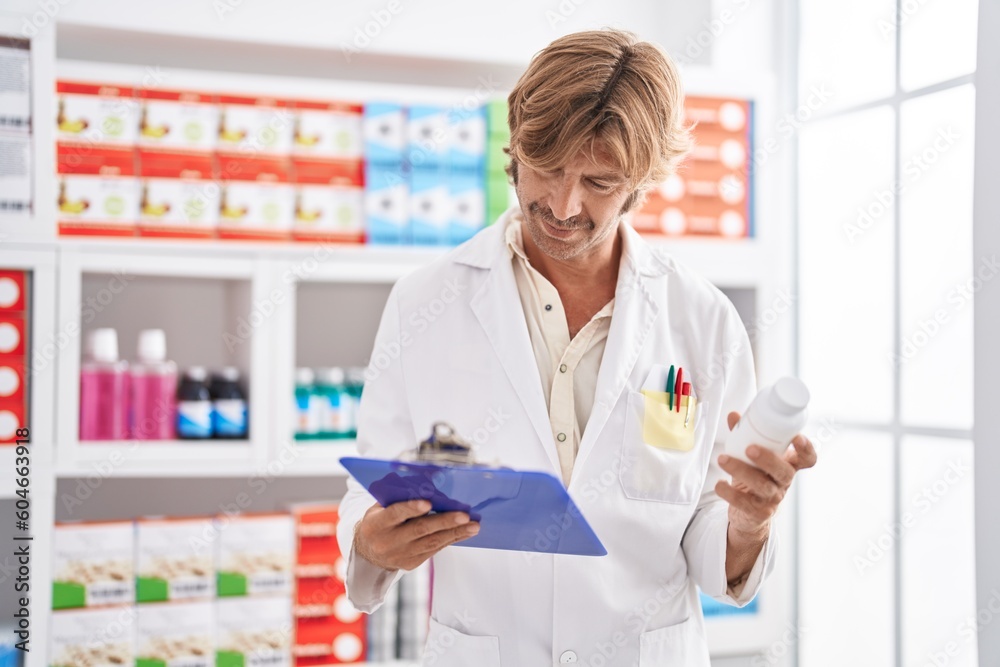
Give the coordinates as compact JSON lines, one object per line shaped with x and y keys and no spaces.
{"x":657,"y":473}
{"x":447,"y":647}
{"x":681,"y":644}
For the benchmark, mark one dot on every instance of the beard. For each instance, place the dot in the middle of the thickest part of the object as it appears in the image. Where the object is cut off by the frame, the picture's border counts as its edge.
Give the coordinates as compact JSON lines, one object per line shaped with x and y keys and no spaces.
{"x":585,"y":236}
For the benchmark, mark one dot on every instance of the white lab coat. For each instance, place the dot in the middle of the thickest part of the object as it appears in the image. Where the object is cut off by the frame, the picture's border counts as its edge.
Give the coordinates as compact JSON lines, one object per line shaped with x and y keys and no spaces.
{"x":453,"y":345}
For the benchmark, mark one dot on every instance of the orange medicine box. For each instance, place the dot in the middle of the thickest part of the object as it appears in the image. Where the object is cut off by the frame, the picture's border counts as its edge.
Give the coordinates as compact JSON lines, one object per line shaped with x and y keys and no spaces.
{"x":13,"y":416}
{"x":256,"y":200}
{"x":177,"y":121}
{"x":13,"y":297}
{"x":97,"y":192}
{"x":712,"y":192}
{"x":12,"y":380}
{"x":96,"y":114}
{"x":342,"y":643}
{"x":179,"y":197}
{"x":316,"y":529}
{"x":12,"y":335}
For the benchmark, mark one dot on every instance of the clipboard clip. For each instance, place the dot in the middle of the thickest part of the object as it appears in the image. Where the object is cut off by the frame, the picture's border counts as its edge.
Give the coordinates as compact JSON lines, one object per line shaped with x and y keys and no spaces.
{"x":444,"y":446}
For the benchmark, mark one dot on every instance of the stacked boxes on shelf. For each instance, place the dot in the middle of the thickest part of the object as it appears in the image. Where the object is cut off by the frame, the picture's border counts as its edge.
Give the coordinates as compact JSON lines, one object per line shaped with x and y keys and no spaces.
{"x":498,"y":138}
{"x":467,"y":172}
{"x":93,"y":586}
{"x":712,"y":192}
{"x":198,"y":592}
{"x":254,"y":167}
{"x":177,"y":135}
{"x":255,"y":582}
{"x":186,"y":164}
{"x":96,"y":130}
{"x":93,"y":565}
{"x":176,"y":633}
{"x":427,"y":155}
{"x":14,"y":354}
{"x":174,"y":560}
{"x":329,"y":172}
{"x":328,"y":629}
{"x":386,"y":180}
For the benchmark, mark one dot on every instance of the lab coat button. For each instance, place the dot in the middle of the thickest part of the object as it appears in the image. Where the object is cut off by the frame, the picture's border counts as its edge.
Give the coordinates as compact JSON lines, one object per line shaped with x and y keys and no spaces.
{"x":562,"y":368}
{"x":567,"y":657}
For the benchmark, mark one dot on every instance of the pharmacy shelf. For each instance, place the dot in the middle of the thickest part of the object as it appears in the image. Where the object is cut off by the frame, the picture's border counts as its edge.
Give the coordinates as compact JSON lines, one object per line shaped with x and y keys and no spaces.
{"x":184,"y":459}
{"x":61,"y":265}
{"x":177,"y":458}
{"x":726,"y":262}
{"x":327,"y":261}
{"x":319,"y":458}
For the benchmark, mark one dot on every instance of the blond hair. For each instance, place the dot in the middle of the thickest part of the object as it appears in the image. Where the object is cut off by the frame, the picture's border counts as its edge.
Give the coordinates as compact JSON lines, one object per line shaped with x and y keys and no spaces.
{"x":604,"y":85}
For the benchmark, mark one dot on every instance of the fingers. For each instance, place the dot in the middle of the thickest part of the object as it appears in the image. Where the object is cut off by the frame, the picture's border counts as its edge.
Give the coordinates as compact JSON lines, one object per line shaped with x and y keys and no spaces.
{"x":774,"y":465}
{"x":422,"y":526}
{"x":753,"y":507}
{"x":399,"y":513}
{"x":429,"y":545}
{"x":803,"y":453}
{"x":403,"y":535}
{"x":733,"y":418}
{"x":754,"y":480}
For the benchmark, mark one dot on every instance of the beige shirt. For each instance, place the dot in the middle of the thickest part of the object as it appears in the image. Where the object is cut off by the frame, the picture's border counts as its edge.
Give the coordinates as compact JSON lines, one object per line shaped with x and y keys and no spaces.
{"x":568,"y":367}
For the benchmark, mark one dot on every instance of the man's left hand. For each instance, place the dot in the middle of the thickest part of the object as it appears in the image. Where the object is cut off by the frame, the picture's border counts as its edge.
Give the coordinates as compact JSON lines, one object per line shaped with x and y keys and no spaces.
{"x":757,"y":490}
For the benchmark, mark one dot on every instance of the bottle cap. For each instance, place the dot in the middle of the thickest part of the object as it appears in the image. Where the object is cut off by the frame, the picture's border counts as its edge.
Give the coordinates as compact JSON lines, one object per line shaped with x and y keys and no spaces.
{"x":330,"y":376}
{"x":104,"y":345}
{"x":304,"y":376}
{"x":152,"y":346}
{"x":230,"y":374}
{"x":197,"y":373}
{"x":789,"y":395}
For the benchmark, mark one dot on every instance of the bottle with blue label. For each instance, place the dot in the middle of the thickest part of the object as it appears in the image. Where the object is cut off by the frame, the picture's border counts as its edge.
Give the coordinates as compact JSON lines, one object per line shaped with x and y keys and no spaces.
{"x":194,"y":405}
{"x":336,"y":409}
{"x":308,"y":408}
{"x":229,"y":405}
{"x":354,"y":385}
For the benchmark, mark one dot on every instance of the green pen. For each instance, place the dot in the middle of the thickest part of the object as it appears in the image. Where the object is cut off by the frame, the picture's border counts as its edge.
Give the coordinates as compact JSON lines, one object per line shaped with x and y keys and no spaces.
{"x":670,"y":385}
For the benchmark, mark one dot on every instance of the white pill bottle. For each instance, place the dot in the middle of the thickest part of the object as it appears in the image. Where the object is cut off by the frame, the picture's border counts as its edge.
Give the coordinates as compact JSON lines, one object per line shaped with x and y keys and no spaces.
{"x":773,"y":418}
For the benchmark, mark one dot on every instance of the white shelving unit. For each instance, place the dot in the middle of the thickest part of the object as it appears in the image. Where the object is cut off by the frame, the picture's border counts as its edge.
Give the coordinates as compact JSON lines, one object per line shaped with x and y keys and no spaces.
{"x":293,"y":276}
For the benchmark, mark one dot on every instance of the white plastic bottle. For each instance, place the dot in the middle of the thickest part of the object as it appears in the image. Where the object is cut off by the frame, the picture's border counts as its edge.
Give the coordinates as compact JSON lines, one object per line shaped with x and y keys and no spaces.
{"x":773,"y":418}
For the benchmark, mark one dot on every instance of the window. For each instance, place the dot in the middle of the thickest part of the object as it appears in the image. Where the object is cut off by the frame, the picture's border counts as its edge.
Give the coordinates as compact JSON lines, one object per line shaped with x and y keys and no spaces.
{"x":886,"y":280}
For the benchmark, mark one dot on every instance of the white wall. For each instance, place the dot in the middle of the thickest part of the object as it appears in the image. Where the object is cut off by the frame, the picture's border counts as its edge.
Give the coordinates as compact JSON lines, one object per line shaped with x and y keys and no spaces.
{"x":986,"y":243}
{"x":498,"y":32}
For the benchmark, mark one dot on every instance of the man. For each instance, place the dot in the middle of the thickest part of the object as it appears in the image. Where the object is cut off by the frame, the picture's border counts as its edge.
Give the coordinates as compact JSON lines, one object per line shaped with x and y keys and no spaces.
{"x":539,"y":335}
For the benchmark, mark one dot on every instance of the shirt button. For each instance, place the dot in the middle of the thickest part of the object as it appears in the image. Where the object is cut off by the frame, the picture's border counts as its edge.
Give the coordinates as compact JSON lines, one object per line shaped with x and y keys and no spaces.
{"x":562,"y":368}
{"x":548,"y":306}
{"x":567,"y":657}
{"x":561,"y":437}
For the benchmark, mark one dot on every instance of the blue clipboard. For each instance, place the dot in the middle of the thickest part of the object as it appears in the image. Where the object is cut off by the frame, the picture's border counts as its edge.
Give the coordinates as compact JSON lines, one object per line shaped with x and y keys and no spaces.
{"x":517,"y":511}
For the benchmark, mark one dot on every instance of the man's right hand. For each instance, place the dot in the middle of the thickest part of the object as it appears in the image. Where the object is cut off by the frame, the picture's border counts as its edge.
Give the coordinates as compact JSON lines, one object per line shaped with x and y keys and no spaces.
{"x":404,"y":535}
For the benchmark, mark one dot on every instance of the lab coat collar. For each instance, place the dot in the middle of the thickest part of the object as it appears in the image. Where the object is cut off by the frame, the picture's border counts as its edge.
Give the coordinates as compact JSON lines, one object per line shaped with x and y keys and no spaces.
{"x":498,"y":308}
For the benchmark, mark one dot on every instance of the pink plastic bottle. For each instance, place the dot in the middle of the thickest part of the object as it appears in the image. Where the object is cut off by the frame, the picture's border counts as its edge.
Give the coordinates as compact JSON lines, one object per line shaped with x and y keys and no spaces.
{"x":154,"y":389}
{"x":103,"y":389}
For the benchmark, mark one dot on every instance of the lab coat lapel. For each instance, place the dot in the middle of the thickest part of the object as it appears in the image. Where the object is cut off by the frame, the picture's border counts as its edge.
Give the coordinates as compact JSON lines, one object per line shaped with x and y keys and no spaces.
{"x":497,"y":306}
{"x":636,"y":310}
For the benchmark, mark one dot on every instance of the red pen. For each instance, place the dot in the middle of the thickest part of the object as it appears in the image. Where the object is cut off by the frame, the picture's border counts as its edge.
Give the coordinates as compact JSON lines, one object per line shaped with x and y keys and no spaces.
{"x":679,"y":386}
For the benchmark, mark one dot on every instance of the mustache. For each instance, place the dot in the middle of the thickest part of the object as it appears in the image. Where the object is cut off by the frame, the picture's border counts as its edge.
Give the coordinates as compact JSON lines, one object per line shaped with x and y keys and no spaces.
{"x":576,"y":222}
